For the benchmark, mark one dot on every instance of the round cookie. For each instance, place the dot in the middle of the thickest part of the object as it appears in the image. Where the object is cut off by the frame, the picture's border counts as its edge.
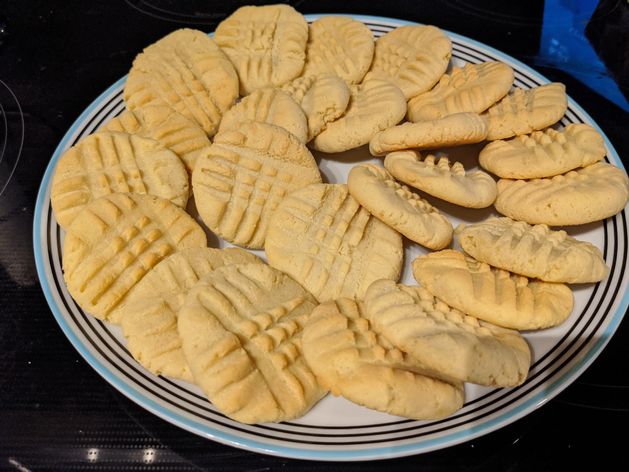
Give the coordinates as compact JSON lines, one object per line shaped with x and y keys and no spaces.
{"x":581,"y":196}
{"x":472,"y":88}
{"x":450,"y":182}
{"x":109,"y":162}
{"x":351,"y":360}
{"x":268,"y":105}
{"x":240,"y":328}
{"x":325,"y":240}
{"x":533,"y":251}
{"x":187,"y":72}
{"x":148,"y":314}
{"x":374,"y":105}
{"x":341,"y":46}
{"x":246,"y":173}
{"x":116,"y":240}
{"x":162,"y":123}
{"x":395,"y":205}
{"x":413,"y":57}
{"x":493,"y":295}
{"x":444,"y":339}
{"x":266,"y":44}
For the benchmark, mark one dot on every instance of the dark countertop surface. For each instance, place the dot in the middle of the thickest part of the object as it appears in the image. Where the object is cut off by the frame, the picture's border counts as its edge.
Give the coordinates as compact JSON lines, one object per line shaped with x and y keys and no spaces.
{"x":58,"y":414}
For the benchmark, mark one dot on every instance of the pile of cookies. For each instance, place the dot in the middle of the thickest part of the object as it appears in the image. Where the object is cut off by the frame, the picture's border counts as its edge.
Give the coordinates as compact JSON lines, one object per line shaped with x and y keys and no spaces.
{"x":232,"y":122}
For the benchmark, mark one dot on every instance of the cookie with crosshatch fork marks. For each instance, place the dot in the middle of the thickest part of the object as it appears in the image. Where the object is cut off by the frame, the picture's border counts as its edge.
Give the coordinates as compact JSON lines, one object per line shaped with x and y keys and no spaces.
{"x":324,"y":239}
{"x":115,"y":240}
{"x":353,"y":361}
{"x":247,"y":172}
{"x":240,"y":328}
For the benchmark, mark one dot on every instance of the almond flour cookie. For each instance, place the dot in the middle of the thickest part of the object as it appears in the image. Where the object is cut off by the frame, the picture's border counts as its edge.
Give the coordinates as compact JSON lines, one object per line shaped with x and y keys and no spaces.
{"x":351,"y":360}
{"x":268,"y":105}
{"x":245,"y":175}
{"x":581,"y":196}
{"x":494,"y":295}
{"x":187,"y":72}
{"x":452,"y":130}
{"x":472,"y":88}
{"x":116,"y":240}
{"x":148,"y":314}
{"x":240,"y":328}
{"x":450,"y":182}
{"x":341,"y":46}
{"x":412,"y":57}
{"x":395,"y":205}
{"x":374,"y":105}
{"x":444,"y":339}
{"x":176,"y":132}
{"x":266,"y":44}
{"x":533,"y":251}
{"x":323,"y":98}
{"x":107,"y":162}
{"x":544,"y":153}
{"x":524,"y":111}
{"x":325,"y":240}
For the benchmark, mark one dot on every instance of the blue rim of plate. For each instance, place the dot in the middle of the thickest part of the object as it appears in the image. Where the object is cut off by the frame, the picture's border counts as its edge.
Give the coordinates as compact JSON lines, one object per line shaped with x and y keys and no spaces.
{"x":572,"y":361}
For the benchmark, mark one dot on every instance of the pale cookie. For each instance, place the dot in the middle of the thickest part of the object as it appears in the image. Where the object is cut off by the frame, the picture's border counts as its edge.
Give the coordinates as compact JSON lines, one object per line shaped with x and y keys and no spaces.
{"x":450,"y":182}
{"x":325,"y":240}
{"x":245,"y":175}
{"x":473,"y":88}
{"x":116,"y":240}
{"x":452,"y":130}
{"x":544,"y":153}
{"x":533,"y":251}
{"x":240,"y":328}
{"x":581,"y":196}
{"x":176,"y":132}
{"x":525,"y":111}
{"x":341,"y":46}
{"x":444,"y":339}
{"x":353,"y":361}
{"x":148,"y":314}
{"x":374,"y":105}
{"x":187,"y":72}
{"x":394,"y":204}
{"x":323,"y":98}
{"x":266,"y":44}
{"x":494,"y":295}
{"x":268,"y":105}
{"x":108,"y":162}
{"x":413,"y":57}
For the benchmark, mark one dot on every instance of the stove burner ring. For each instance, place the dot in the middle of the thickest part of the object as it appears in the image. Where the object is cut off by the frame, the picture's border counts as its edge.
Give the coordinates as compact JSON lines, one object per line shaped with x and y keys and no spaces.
{"x":178,"y":12}
{"x":11,"y":137}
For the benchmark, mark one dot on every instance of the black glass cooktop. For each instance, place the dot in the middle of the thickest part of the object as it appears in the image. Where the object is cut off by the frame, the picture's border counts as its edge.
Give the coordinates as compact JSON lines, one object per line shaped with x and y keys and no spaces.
{"x":58,"y":414}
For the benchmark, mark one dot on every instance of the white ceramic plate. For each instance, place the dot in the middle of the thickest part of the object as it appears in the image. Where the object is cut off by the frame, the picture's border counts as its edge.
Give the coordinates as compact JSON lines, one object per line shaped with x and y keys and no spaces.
{"x":337,"y":429}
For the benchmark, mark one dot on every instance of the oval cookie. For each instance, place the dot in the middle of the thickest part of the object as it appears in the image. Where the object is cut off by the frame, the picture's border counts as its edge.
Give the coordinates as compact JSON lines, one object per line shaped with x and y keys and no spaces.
{"x":394,"y":204}
{"x":533,"y":251}
{"x":341,"y":46}
{"x":472,"y":88}
{"x":185,"y":71}
{"x":493,"y":295}
{"x":450,"y":182}
{"x":240,"y":328}
{"x":115,"y":240}
{"x":325,"y":240}
{"x":412,"y":57}
{"x":109,"y":162}
{"x":544,"y":153}
{"x":351,"y":360}
{"x":374,"y":105}
{"x":444,"y":339}
{"x":245,"y":175}
{"x":266,"y":44}
{"x":581,"y":196}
